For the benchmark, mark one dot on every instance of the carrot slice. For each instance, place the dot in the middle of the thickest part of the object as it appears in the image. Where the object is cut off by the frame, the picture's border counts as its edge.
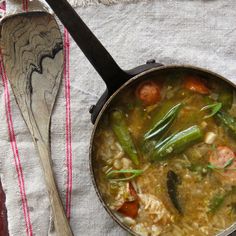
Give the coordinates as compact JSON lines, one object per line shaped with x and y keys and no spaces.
{"x":149,"y":92}
{"x":224,"y":161}
{"x":195,"y":83}
{"x":129,"y":209}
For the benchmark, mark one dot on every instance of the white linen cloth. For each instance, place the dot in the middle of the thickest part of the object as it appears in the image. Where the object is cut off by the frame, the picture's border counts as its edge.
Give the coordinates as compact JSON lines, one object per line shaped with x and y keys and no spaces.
{"x":201,"y":33}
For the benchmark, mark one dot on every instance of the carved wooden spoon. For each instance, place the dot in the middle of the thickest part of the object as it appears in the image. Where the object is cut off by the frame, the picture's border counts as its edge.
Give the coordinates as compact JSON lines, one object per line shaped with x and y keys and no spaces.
{"x":32,"y":52}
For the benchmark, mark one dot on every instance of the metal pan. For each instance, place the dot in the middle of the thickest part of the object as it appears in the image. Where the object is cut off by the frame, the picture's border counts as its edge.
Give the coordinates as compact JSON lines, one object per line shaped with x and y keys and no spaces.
{"x":150,"y":74}
{"x":116,"y":79}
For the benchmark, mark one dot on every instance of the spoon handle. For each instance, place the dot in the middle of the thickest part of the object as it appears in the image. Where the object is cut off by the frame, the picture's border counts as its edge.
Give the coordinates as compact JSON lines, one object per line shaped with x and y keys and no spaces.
{"x":59,"y":218}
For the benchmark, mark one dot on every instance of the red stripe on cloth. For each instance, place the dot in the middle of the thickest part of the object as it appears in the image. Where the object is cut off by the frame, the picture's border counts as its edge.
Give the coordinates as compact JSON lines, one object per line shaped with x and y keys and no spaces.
{"x":3,"y":6}
{"x":68,"y":122}
{"x":15,"y":151}
{"x":14,"y":147}
{"x":25,"y":5}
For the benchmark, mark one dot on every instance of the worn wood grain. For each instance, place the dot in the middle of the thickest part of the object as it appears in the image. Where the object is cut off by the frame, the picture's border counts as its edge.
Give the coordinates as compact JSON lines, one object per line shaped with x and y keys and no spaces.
{"x":32,"y":50}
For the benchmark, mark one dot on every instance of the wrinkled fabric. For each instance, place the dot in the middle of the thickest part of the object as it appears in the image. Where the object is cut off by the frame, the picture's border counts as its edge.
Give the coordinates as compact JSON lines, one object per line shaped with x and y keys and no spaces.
{"x":200,"y":33}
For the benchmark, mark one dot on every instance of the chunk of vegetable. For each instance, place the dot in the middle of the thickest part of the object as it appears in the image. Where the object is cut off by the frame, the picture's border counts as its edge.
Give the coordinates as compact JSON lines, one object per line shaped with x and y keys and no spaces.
{"x":176,"y":143}
{"x":223,"y":162}
{"x":227,"y":120}
{"x":121,"y":131}
{"x":216,"y":202}
{"x":195,"y":83}
{"x":172,"y":182}
{"x":148,"y":92}
{"x":210,"y":138}
{"x":164,"y":123}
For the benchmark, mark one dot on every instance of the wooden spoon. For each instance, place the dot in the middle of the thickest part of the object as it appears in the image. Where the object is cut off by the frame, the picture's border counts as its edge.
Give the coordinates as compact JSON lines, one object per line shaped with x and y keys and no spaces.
{"x":32,"y":50}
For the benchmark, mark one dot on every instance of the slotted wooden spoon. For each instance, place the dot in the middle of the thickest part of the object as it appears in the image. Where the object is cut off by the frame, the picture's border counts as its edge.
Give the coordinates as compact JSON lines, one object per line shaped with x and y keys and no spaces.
{"x":32,"y":50}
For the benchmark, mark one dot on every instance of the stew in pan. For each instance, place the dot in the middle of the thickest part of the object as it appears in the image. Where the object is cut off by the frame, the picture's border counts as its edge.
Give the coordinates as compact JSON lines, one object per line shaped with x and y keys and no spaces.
{"x":165,"y":155}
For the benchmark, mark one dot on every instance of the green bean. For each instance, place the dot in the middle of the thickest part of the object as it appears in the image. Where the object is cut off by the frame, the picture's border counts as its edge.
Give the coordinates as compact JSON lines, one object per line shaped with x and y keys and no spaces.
{"x":214,"y":108}
{"x":216,"y":202}
{"x":199,"y":169}
{"x":164,"y":123}
{"x":159,"y":112}
{"x":133,"y":174}
{"x":176,"y":143}
{"x":227,"y":120}
{"x":121,"y":132}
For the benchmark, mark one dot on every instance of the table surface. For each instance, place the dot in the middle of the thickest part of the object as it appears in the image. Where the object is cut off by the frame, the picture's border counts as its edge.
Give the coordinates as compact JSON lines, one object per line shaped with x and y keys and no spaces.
{"x":200,"y":33}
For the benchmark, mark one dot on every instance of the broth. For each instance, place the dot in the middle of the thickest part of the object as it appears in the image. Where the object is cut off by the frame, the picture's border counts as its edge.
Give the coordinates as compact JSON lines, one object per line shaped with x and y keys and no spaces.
{"x":165,"y":156}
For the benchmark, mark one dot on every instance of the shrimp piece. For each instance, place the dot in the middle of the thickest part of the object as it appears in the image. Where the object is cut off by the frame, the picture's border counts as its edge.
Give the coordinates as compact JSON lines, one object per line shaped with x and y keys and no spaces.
{"x":224,"y":162}
{"x":154,"y":206}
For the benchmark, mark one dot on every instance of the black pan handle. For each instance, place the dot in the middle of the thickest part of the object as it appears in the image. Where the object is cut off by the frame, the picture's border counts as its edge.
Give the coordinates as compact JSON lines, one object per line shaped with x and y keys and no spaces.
{"x":99,"y":57}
